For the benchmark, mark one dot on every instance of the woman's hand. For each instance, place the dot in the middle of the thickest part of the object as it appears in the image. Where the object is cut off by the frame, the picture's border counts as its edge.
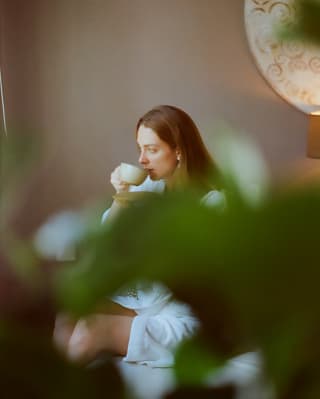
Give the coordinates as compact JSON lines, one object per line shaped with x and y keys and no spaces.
{"x":99,"y":333}
{"x":119,"y":185}
{"x":63,"y":330}
{"x":84,"y":339}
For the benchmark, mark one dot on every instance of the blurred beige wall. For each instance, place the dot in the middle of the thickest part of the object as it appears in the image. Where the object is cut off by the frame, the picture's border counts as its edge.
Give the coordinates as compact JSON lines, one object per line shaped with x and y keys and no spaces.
{"x":80,"y":73}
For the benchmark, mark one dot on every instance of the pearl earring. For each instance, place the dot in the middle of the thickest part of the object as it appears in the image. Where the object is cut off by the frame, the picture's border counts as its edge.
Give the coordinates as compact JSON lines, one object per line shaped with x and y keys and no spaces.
{"x":178,"y":159}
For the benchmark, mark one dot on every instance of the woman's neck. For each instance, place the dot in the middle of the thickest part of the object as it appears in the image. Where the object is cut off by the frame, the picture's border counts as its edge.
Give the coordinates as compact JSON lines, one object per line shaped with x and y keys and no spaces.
{"x":170,"y":183}
{"x":176,"y":181}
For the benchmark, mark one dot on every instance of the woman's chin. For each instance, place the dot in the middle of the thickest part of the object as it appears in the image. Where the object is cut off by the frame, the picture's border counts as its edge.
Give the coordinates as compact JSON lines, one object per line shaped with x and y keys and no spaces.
{"x":153,"y":176}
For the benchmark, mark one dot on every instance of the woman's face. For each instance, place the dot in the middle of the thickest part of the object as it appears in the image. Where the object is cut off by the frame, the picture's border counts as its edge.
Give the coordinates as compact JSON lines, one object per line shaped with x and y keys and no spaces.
{"x":156,"y":156}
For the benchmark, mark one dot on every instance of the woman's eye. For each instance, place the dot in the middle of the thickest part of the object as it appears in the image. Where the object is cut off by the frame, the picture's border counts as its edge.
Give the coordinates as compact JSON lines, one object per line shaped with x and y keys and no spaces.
{"x":152,"y":150}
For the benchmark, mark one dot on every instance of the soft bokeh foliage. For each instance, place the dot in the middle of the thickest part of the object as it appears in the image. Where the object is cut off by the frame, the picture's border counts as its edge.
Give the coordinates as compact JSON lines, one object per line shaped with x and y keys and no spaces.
{"x":305,"y":26}
{"x":251,"y":274}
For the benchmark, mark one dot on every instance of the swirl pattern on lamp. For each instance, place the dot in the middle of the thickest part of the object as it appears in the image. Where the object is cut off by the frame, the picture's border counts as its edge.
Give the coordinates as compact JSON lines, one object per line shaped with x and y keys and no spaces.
{"x":291,"y":68}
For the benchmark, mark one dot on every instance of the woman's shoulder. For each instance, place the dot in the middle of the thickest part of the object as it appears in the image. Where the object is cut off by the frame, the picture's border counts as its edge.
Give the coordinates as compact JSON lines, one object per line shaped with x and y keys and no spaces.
{"x":214,"y":198}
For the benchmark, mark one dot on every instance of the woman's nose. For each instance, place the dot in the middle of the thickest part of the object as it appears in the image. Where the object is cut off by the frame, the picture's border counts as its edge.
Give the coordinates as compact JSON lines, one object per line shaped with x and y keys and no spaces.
{"x":142,"y":159}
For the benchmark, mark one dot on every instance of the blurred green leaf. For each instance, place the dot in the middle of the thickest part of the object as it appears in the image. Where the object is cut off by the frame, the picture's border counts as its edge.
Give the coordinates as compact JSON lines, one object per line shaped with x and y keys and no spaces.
{"x":194,"y":363}
{"x":251,"y":275}
{"x":19,"y":149}
{"x":23,"y":259}
{"x":305,"y":25}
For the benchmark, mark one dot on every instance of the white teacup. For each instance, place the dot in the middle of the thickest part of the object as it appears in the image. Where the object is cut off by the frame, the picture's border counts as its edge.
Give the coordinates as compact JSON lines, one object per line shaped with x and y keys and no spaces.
{"x":132,"y":174}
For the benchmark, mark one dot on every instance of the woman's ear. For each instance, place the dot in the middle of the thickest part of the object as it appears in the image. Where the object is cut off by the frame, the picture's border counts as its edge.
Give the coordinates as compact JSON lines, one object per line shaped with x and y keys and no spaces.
{"x":178,"y":154}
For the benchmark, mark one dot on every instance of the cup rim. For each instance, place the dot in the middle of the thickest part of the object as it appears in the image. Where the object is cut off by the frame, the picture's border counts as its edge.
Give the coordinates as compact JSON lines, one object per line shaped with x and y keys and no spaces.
{"x":132,"y":166}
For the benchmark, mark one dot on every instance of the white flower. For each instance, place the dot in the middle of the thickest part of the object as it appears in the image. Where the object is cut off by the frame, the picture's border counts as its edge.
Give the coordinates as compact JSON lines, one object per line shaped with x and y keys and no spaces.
{"x":241,"y":161}
{"x":57,"y":238}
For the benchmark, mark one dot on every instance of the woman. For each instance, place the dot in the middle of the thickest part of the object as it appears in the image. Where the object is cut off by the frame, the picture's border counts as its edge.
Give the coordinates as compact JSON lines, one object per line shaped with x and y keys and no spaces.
{"x":146,"y":324}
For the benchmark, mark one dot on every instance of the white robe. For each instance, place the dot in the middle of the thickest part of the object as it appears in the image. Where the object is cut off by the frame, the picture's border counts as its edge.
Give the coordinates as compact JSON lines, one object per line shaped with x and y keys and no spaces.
{"x":161,"y":322}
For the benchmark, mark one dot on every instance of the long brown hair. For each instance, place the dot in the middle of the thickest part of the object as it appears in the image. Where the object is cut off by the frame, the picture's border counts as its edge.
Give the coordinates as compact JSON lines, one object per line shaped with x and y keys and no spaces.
{"x":178,"y":130}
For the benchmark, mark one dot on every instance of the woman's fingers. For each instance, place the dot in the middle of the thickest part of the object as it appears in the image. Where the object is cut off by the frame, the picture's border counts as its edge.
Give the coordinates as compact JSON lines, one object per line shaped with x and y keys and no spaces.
{"x":87,"y":340}
{"x":118,"y":184}
{"x":63,"y":329}
{"x":80,"y":345}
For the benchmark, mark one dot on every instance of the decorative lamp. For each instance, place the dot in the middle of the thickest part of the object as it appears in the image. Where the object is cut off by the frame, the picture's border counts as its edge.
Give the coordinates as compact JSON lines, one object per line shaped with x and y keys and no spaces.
{"x":291,"y":68}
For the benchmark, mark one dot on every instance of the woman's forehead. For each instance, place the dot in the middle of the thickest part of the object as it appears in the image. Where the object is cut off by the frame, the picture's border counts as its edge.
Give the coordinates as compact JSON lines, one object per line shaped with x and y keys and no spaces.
{"x":147,"y":136}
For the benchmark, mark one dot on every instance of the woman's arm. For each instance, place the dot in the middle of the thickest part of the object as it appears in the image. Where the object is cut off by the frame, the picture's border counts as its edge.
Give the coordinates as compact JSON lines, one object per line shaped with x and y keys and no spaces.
{"x":107,"y":329}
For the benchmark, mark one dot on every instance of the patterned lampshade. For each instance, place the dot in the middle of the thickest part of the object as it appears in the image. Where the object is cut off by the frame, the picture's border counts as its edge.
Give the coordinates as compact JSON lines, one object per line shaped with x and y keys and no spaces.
{"x":291,"y":68}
